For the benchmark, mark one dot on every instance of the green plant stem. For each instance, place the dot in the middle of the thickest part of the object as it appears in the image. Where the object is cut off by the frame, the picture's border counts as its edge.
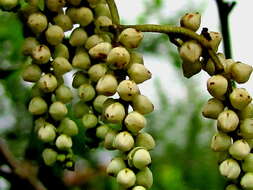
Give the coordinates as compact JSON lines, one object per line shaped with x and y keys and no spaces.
{"x":114,"y":12}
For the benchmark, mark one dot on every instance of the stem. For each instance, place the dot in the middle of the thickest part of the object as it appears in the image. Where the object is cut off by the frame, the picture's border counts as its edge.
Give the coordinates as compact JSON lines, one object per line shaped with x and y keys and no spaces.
{"x":114,"y":12}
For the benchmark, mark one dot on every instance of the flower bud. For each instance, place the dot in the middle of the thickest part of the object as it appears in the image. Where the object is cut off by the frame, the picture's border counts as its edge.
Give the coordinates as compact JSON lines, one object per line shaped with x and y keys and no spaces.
{"x":138,"y":188}
{"x":144,"y":178}
{"x":246,"y":129}
{"x":28,"y":45}
{"x":102,"y":9}
{"x":124,"y":141}
{"x":58,"y":110}
{"x":130,"y":38}
{"x":68,"y":127}
{"x":107,"y":85}
{"x":63,"y":94}
{"x":101,"y":131}
{"x":86,"y":92}
{"x":63,"y":21}
{"x":78,"y":37}
{"x":61,"y":66}
{"x":37,"y":106}
{"x":47,"y":133}
{"x":38,"y":123}
{"x":142,"y":104}
{"x":41,"y":54}
{"x":89,"y":120}
{"x":232,"y":187}
{"x":118,"y":58}
{"x":36,"y":91}
{"x":230,"y":169}
{"x":190,"y":69}
{"x":247,"y":181}
{"x":115,"y":113}
{"x":247,"y":164}
{"x":55,"y":5}
{"x":191,"y":21}
{"x":93,"y":41}
{"x":103,"y":21}
{"x":221,"y":142}
{"x":61,"y":157}
{"x":97,"y":71}
{"x":109,"y":139}
{"x":8,"y":4}
{"x":49,"y":156}
{"x":54,"y":35}
{"x":126,"y":178}
{"x":100,"y":51}
{"x":239,"y":98}
{"x":115,"y":166}
{"x":190,"y":51}
{"x":227,"y":121}
{"x":141,"y":158}
{"x":80,"y":108}
{"x":227,"y":64}
{"x":212,"y":108}
{"x":72,"y":13}
{"x":239,"y":149}
{"x":98,"y":103}
{"x":63,"y":142}
{"x":31,"y":73}
{"x":138,"y":73}
{"x":127,"y":89}
{"x":61,"y":50}
{"x":215,"y":40}
{"x":246,"y":112}
{"x":81,"y":60}
{"x":135,"y":121}
{"x":84,"y":16}
{"x":241,"y":72}
{"x":145,"y":140}
{"x":37,"y":22}
{"x":47,"y":83}
{"x":217,"y":86}
{"x":79,"y":79}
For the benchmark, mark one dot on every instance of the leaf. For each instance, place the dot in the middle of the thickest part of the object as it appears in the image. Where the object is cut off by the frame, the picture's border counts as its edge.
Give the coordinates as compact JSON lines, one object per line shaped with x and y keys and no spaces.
{"x":41,"y":5}
{"x":23,"y":4}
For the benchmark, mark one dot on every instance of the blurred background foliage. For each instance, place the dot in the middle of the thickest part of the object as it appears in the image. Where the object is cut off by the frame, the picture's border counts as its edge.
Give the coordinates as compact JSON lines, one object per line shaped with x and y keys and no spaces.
{"x":182,"y":159}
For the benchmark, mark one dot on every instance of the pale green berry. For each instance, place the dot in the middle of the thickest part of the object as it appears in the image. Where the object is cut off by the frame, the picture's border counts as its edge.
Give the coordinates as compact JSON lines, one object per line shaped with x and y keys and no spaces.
{"x":63,"y":94}
{"x":47,"y":83}
{"x":215,"y":40}
{"x":247,"y":164}
{"x":232,"y":187}
{"x":227,"y":121}
{"x":109,"y":139}
{"x":61,"y":50}
{"x":107,"y":85}
{"x":209,"y":67}
{"x":239,"y":149}
{"x":31,"y":73}
{"x":80,"y":108}
{"x":191,"y":21}
{"x":190,"y":51}
{"x":92,"y":41}
{"x":47,"y":133}
{"x":108,"y":102}
{"x":127,"y":89}
{"x":8,"y":4}
{"x":246,"y":129}
{"x":63,"y":142}
{"x":191,"y":69}
{"x":72,"y":13}
{"x":74,"y":2}
{"x":41,"y":54}
{"x":55,"y":5}
{"x":212,"y":108}
{"x":247,"y":181}
{"x":230,"y":169}
{"x":241,"y":72}
{"x":135,"y":121}
{"x":36,"y":91}
{"x":37,"y":106}
{"x":69,"y":164}
{"x":115,"y":166}
{"x":138,"y":188}
{"x":103,"y":21}
{"x":81,"y":60}
{"x":247,"y":112}
{"x":227,"y":64}
{"x":49,"y":156}
{"x":240,"y":98}
{"x":115,"y":113}
{"x":130,"y":38}
{"x":98,"y":103}
{"x":250,"y":142}
{"x":142,"y":104}
{"x":79,"y":79}
{"x":141,"y":158}
{"x":54,"y":35}
{"x":144,"y":178}
{"x":84,"y":16}
{"x":124,"y":141}
{"x":118,"y":58}
{"x":58,"y":110}
{"x":37,"y":22}
{"x":28,"y":45}
{"x":86,"y":92}
{"x":101,"y":131}
{"x":145,"y":140}
{"x":100,"y":51}
{"x":78,"y":37}
{"x":217,"y":86}
{"x":38,"y":123}
{"x":68,"y":127}
{"x":89,"y":120}
{"x":61,"y":157}
{"x":93,"y":3}
{"x":102,"y":9}
{"x":61,"y":66}
{"x":138,"y":73}
{"x":97,"y":71}
{"x":63,"y":21}
{"x":126,"y":178}
{"x":221,"y":142}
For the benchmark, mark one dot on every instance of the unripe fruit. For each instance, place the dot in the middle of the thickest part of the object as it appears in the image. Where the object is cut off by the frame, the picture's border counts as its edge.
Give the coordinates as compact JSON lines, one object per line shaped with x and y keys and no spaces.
{"x":84,"y":16}
{"x":138,"y":73}
{"x":227,"y":64}
{"x":191,"y":21}
{"x":136,"y":57}
{"x":138,"y":188}
{"x":118,"y":58}
{"x":141,"y":159}
{"x":102,"y":9}
{"x":247,"y":112}
{"x":247,"y":164}
{"x":145,"y":140}
{"x":227,"y":121}
{"x":115,"y":113}
{"x":230,"y":169}
{"x":37,"y":106}
{"x":246,"y":129}
{"x":191,"y":69}
{"x":215,"y":40}
{"x":115,"y":166}
{"x":61,"y":66}
{"x":8,"y":4}
{"x":109,"y":139}
{"x":63,"y":21}
{"x":49,"y":156}
{"x":38,"y":123}
{"x":63,"y":94}
{"x":250,"y":142}
{"x":130,"y":38}
{"x":68,"y":127}
{"x":127,"y":89}
{"x":190,"y":51}
{"x":93,"y":3}
{"x":79,"y":79}
{"x":54,"y":35}
{"x":58,"y":110}
{"x":239,"y":149}
{"x":80,"y":108}
{"x":144,"y":178}
{"x":97,"y":71}
{"x":107,"y":85}
{"x":221,"y":142}
{"x":142,"y":104}
{"x":212,"y":108}
{"x":61,"y":50}
{"x":61,"y":157}
{"x":241,"y":72}
{"x":124,"y":141}
{"x":37,"y":22}
{"x":47,"y":83}
{"x":232,"y":187}
{"x":47,"y":133}
{"x":135,"y":121}
{"x":126,"y":178}
{"x":86,"y":92}
{"x":98,"y":103}
{"x":217,"y":86}
{"x":239,"y":98}
{"x":63,"y":142}
{"x":41,"y":54}
{"x":93,"y":41}
{"x":100,"y":51}
{"x":55,"y":5}
{"x":31,"y":73}
{"x":101,"y":131}
{"x":81,"y":60}
{"x":28,"y":45}
{"x":36,"y":91}
{"x":103,"y":21}
{"x":74,"y":2}
{"x":78,"y":37}
{"x":89,"y":120}
{"x":247,"y":181}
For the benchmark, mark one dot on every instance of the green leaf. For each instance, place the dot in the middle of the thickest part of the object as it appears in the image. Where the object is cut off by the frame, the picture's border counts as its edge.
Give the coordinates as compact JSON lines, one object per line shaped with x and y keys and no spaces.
{"x":41,"y":5}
